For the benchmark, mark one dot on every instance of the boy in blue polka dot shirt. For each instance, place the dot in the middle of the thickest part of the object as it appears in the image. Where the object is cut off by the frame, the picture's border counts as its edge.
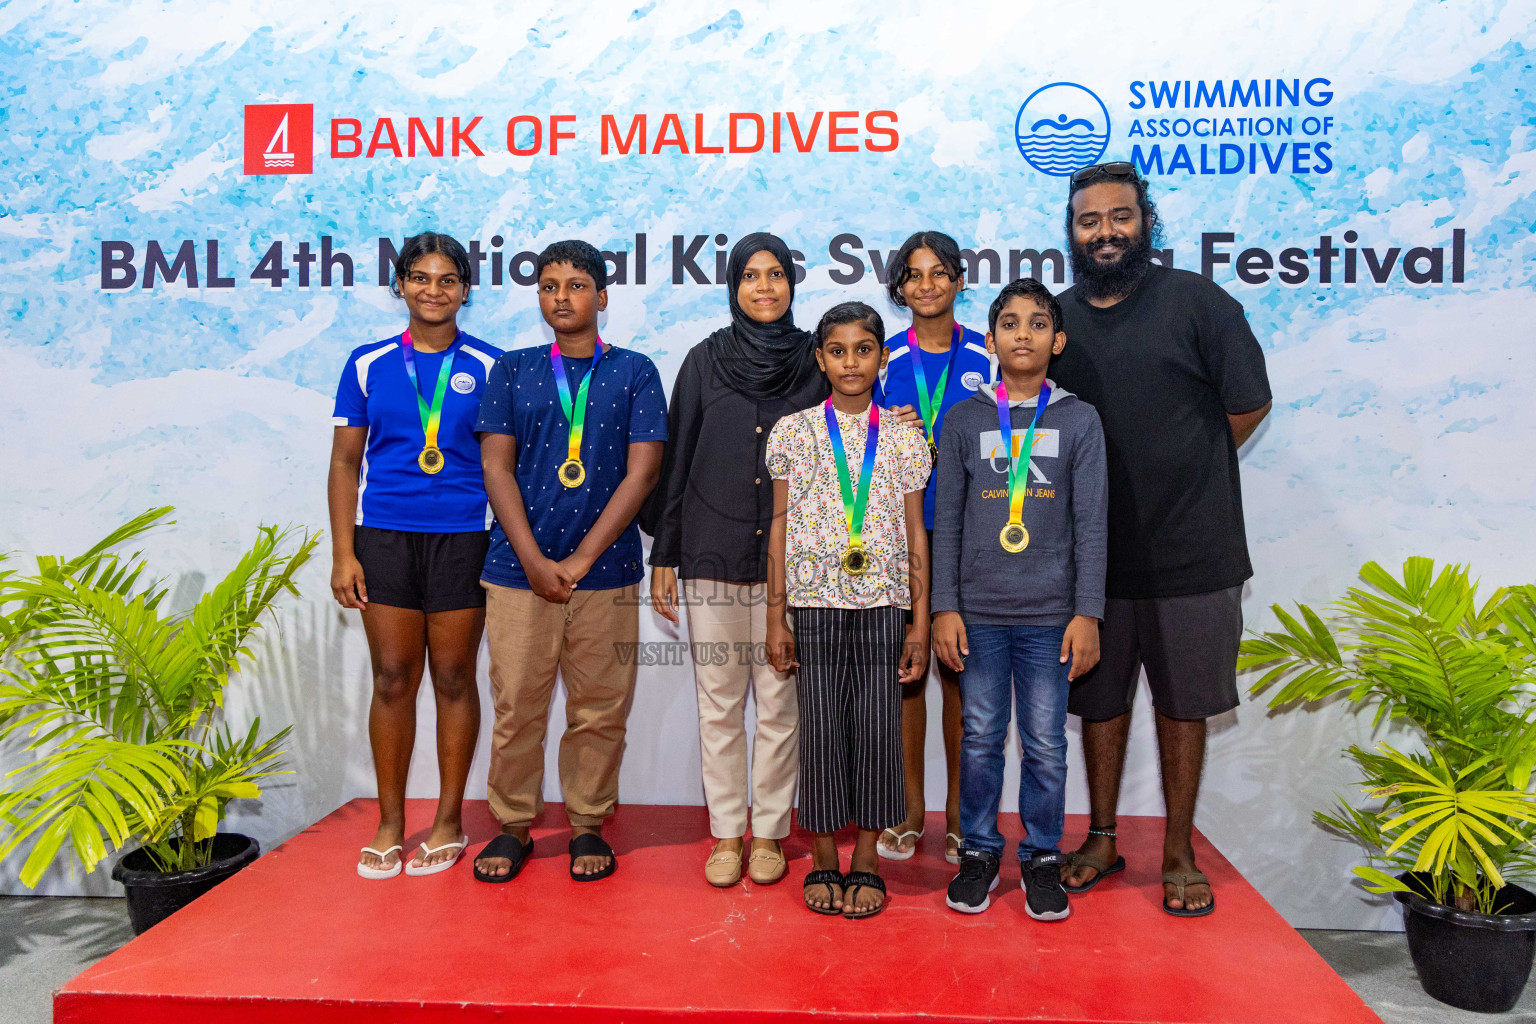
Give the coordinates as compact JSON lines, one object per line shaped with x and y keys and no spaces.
{"x":571,"y":437}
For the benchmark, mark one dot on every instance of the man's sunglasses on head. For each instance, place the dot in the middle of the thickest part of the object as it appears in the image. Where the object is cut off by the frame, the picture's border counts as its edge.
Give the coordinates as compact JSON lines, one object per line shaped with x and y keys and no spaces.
{"x":1115,"y":169}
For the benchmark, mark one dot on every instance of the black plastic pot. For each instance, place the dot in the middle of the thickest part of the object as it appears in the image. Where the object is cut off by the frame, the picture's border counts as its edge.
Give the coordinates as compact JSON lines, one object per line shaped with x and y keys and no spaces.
{"x":155,"y":895}
{"x":1472,"y":961}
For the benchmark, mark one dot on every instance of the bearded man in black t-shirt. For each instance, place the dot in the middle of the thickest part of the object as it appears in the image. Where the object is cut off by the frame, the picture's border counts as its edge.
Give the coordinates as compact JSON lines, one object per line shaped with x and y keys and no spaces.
{"x":1178,"y":379}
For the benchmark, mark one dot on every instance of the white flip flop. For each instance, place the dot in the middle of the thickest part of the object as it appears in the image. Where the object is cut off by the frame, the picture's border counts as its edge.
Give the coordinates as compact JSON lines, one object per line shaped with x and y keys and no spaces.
{"x":432,"y":869}
{"x":959,"y":839}
{"x":889,"y":854}
{"x":378,"y":874}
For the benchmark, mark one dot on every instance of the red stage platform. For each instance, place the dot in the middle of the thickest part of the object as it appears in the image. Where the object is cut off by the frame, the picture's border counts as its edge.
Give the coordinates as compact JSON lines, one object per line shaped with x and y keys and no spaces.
{"x":299,"y":937}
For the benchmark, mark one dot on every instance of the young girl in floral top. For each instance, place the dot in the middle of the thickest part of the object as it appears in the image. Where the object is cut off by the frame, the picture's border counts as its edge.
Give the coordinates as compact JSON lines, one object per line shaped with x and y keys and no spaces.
{"x":847,"y":558}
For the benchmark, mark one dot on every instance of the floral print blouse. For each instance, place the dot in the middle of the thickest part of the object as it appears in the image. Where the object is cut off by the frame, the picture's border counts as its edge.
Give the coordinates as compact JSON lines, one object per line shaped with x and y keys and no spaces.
{"x":816,"y":529}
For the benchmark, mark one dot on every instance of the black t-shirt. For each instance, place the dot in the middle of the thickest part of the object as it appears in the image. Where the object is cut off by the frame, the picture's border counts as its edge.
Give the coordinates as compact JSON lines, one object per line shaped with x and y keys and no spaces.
{"x":1163,"y":368}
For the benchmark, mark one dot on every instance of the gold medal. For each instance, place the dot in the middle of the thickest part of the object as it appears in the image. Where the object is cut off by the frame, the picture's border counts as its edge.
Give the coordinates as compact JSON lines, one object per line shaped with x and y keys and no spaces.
{"x":572,"y":473}
{"x":854,"y":561}
{"x":933,"y":451}
{"x":1014,"y":538}
{"x":431,"y":458}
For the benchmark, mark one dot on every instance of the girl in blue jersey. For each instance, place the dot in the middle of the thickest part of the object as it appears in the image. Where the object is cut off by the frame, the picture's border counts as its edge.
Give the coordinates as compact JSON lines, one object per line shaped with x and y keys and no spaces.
{"x":934,"y":363}
{"x":409,"y":527}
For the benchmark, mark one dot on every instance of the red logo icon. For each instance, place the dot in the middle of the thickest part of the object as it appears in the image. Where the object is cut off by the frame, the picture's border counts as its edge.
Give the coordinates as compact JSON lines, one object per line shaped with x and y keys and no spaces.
{"x":279,"y":138}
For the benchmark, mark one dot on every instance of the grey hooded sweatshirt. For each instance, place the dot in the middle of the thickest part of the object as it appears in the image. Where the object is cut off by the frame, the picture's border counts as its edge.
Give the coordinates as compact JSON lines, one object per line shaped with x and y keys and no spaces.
{"x":1061,"y":573}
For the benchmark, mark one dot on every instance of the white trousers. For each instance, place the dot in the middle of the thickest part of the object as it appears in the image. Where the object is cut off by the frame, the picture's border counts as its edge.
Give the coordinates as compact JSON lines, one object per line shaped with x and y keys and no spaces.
{"x":727,"y":626}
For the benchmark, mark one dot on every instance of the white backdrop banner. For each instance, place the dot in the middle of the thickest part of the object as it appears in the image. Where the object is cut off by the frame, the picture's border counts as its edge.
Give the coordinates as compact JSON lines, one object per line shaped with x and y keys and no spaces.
{"x":200,"y":202}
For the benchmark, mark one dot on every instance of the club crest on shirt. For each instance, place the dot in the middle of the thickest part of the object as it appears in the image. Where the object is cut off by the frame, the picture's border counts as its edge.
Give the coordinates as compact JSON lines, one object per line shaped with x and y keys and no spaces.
{"x":1047,"y":446}
{"x":971,"y":379}
{"x":463,"y":383}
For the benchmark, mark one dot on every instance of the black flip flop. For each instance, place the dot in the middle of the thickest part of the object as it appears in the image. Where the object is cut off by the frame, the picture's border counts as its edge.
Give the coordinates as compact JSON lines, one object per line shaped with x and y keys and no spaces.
{"x":827,"y":877}
{"x":589,"y":844}
{"x":859,"y":880}
{"x":508,"y":847}
{"x":1104,"y":871}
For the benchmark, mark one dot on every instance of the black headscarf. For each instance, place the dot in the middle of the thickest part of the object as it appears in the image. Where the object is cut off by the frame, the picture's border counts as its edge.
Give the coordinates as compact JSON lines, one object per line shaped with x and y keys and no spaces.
{"x":761,"y":361}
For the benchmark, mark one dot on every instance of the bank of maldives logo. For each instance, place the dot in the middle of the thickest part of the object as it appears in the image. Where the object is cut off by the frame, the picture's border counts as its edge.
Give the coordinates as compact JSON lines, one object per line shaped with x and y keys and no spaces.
{"x":279,"y":138}
{"x":1061,"y":127}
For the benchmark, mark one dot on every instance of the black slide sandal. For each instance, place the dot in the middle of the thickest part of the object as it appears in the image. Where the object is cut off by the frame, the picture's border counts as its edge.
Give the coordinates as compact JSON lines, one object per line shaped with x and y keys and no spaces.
{"x":855,"y":880}
{"x":827,"y":877}
{"x":508,"y":847}
{"x":589,"y":844}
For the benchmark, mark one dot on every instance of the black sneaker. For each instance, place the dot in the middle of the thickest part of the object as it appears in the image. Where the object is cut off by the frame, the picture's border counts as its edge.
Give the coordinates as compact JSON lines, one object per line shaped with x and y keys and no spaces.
{"x":968,"y":893}
{"x":1045,"y":899}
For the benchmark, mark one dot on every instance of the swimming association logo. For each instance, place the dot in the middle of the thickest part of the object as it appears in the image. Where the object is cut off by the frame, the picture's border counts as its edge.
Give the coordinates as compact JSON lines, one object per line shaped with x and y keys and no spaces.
{"x":463,"y":383}
{"x":970,"y":380}
{"x":279,"y":138}
{"x":1061,"y":127}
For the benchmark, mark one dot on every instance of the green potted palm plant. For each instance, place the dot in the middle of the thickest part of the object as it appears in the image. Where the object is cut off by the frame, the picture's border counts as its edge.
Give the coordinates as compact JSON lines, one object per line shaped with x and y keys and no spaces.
{"x":119,"y":707}
{"x":1448,"y":816}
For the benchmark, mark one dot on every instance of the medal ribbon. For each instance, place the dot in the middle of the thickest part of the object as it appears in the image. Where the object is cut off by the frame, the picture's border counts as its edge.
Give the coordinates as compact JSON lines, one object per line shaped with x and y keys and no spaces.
{"x":431,"y":416}
{"x":1018,"y":468}
{"x":854,"y":501}
{"x":931,"y":403}
{"x":575,"y":412}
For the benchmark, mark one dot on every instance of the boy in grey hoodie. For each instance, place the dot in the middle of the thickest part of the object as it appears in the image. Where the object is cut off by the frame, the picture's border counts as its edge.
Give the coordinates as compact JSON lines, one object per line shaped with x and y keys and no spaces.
{"x":1019,"y":539}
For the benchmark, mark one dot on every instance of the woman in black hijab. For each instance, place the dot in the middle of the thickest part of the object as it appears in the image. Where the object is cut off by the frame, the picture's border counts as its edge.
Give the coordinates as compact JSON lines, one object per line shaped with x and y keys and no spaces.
{"x":710,"y":517}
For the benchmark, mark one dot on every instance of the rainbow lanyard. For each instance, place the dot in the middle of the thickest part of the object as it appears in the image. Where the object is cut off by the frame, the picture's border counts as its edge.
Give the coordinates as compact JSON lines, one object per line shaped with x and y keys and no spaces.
{"x":575,"y":412}
{"x":431,"y":416}
{"x":1018,"y":468}
{"x":854,"y":501}
{"x":931,"y":403}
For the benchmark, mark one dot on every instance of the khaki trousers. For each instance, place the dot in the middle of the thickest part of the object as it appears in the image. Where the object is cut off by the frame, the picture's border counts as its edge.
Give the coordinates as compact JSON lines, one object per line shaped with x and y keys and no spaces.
{"x":530,"y":638}
{"x":727,"y":627}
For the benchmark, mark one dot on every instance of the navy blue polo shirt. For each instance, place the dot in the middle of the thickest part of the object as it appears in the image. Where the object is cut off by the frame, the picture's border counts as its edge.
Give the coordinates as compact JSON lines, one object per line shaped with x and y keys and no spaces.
{"x":392,"y":491}
{"x":972,"y":369}
{"x":625,"y":405}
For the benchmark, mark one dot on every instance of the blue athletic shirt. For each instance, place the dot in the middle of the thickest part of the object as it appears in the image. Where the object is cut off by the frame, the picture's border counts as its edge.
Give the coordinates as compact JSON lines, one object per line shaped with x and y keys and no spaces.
{"x":972,"y":369}
{"x":392,"y":491}
{"x":625,"y":405}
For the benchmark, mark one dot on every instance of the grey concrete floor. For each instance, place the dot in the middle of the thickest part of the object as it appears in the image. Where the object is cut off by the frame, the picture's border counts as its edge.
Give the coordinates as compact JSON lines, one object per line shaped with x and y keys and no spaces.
{"x":1377,"y":967}
{"x":45,"y":941}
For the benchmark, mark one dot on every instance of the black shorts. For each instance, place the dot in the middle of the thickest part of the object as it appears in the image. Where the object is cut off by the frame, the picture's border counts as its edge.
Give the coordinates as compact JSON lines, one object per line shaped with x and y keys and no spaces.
{"x":1187,"y":644}
{"x":429,"y":572}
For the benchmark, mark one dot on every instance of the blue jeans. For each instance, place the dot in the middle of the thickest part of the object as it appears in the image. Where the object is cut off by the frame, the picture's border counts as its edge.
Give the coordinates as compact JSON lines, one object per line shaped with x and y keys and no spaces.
{"x":1022,"y":662}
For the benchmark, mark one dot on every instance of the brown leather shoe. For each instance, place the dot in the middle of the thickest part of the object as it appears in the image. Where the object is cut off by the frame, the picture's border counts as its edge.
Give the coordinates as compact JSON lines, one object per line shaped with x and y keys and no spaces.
{"x":723,"y":869}
{"x":766,"y":866}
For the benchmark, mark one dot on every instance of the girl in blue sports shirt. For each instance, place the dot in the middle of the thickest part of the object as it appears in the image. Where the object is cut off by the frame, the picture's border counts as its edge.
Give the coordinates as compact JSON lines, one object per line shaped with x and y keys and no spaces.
{"x":934,"y":363}
{"x":409,"y":531}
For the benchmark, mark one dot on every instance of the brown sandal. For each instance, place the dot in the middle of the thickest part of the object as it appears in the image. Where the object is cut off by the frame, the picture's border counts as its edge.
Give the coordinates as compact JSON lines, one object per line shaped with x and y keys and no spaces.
{"x":1088,"y":860}
{"x":1180,"y":879}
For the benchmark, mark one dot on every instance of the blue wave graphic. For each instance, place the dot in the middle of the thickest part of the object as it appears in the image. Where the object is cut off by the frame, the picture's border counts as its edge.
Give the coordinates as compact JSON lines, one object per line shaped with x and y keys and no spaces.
{"x":1062,"y":152}
{"x":1066,"y":139}
{"x":1071,"y":147}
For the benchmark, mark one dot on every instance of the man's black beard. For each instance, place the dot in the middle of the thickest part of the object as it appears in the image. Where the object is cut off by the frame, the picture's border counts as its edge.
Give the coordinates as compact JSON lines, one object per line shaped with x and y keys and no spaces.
{"x":1111,"y":282}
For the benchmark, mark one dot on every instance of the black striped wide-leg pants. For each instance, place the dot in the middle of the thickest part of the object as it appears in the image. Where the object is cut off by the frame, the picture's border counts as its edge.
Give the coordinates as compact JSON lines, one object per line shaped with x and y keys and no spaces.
{"x":850,"y":717}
